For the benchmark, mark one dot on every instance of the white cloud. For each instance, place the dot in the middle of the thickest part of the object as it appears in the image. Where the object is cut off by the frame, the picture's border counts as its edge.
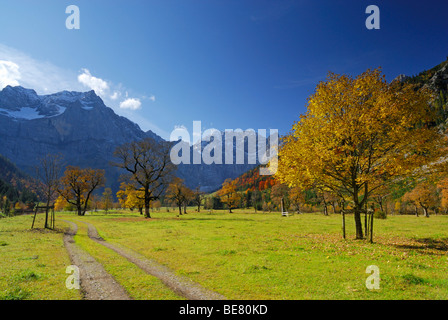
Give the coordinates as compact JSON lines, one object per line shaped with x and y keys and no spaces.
{"x":115,"y":95}
{"x":9,"y":74}
{"x":18,"y":68}
{"x":41,"y":76}
{"x":98,"y":85}
{"x":131,"y":104}
{"x":152,"y":98}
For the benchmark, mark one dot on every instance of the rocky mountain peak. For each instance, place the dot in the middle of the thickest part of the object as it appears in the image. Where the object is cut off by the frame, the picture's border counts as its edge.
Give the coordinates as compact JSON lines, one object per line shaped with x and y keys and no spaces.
{"x":21,"y":103}
{"x":14,"y":98}
{"x":401,"y":78}
{"x":439,"y":81}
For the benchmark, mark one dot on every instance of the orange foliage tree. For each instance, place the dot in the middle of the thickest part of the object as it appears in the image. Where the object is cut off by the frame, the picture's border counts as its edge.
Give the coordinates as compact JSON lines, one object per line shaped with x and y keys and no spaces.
{"x":178,"y":193}
{"x":443,"y":187}
{"x":77,"y":185}
{"x":424,"y":194}
{"x":229,"y":195}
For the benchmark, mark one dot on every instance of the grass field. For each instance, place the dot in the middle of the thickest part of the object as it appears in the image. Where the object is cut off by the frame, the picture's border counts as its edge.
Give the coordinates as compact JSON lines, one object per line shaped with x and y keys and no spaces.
{"x":240,"y":255}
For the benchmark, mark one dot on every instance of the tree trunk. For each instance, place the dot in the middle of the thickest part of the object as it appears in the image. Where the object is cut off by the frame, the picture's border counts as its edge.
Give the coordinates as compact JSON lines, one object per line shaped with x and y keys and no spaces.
{"x":325,"y":206}
{"x":358,"y":223}
{"x":371,"y":226}
{"x":425,"y":210}
{"x":147,"y":201}
{"x":343,"y":220}
{"x":180,"y":209}
{"x":366,"y":227}
{"x":46,"y":213}
{"x":334,"y":208}
{"x":357,"y":214}
{"x":416,"y":210}
{"x":366,"y":224}
{"x":380,"y":202}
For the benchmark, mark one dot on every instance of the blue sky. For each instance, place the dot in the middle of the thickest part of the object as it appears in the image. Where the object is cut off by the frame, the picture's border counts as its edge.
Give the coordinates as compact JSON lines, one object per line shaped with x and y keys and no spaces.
{"x":228,"y":63}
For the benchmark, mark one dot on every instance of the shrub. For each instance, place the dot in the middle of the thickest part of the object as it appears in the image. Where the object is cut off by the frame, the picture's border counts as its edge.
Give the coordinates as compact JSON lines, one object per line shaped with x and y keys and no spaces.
{"x":380,"y":215}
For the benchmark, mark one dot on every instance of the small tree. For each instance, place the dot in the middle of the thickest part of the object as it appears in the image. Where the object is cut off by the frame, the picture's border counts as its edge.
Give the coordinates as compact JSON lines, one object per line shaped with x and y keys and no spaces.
{"x":156,"y":205}
{"x":424,"y":194}
{"x":77,"y":185}
{"x":177,"y":193}
{"x":188,"y":197}
{"x":443,"y":187}
{"x":131,"y":198}
{"x":107,"y":199}
{"x":198,"y":197}
{"x":296,"y":198}
{"x":6,"y":207}
{"x":60,"y":204}
{"x":279,"y":193}
{"x":229,"y":195}
{"x":48,"y":172}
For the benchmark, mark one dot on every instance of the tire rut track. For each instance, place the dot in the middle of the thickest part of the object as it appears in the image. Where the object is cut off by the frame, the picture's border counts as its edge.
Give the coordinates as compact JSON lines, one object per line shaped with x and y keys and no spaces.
{"x":95,"y":282}
{"x":182,"y":286}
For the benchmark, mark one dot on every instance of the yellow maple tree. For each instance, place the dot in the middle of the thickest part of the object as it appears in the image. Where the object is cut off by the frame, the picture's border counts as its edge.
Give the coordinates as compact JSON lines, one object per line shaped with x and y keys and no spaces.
{"x":358,"y":134}
{"x":60,"y":204}
{"x":130,"y":197}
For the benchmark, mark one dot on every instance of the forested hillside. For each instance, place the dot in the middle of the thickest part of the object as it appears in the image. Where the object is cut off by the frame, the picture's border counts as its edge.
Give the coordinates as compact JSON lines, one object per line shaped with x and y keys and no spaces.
{"x":16,"y":188}
{"x":436,"y":79}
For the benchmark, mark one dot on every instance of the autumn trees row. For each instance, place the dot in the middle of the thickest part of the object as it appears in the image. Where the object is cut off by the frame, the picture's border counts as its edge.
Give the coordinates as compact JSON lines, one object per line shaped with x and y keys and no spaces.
{"x":148,"y":176}
{"x":426,"y":195}
{"x":293,"y":199}
{"x":358,"y":136}
{"x":75,"y":186}
{"x":146,"y":163}
{"x":176,"y":193}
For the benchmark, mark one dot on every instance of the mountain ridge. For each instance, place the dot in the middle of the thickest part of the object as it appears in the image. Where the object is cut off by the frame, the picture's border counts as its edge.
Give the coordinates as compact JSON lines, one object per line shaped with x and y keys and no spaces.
{"x":80,"y":127}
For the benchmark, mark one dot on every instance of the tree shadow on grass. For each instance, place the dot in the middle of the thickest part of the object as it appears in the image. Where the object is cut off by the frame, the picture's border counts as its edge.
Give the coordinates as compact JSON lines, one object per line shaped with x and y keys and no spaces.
{"x":219,"y":219}
{"x":430,"y":245}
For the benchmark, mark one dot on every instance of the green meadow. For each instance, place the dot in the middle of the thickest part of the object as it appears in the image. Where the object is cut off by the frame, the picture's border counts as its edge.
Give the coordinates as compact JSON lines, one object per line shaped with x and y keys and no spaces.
{"x":241,"y":255}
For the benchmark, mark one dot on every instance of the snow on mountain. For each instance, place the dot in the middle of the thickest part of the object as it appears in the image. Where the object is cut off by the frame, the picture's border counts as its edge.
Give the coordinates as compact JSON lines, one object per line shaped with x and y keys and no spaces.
{"x":26,"y":113}
{"x":26,"y":104}
{"x":85,"y":132}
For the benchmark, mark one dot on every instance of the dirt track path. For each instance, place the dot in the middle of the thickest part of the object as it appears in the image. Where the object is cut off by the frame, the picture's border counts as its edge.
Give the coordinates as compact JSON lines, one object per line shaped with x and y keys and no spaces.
{"x":95,"y":282}
{"x":181,"y":285}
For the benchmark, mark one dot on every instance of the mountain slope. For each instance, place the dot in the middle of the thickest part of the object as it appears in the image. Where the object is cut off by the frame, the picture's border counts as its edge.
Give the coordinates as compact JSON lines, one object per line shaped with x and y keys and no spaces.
{"x":80,"y":127}
{"x":76,"y":125}
{"x":436,"y":79}
{"x":16,"y":185}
